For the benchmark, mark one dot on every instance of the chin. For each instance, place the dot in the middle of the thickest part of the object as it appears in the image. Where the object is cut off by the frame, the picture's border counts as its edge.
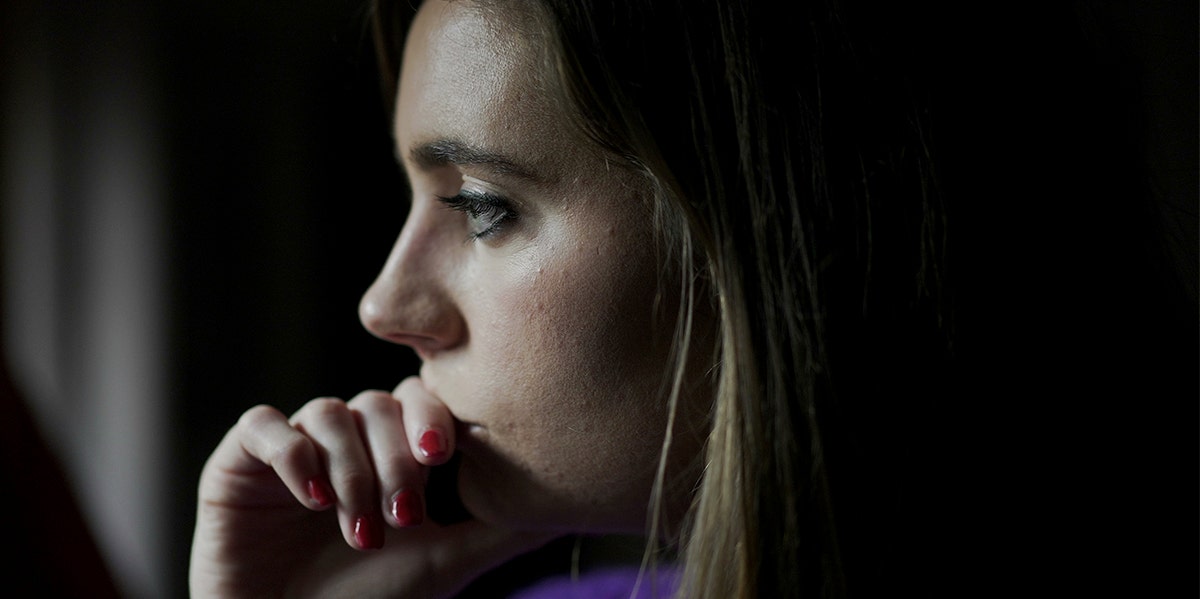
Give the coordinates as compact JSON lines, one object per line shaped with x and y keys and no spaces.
{"x":503,"y":497}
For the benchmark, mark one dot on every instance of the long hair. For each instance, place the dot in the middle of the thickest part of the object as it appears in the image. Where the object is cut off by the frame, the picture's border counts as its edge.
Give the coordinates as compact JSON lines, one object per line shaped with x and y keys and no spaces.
{"x":784,"y":182}
{"x":791,"y":152}
{"x":773,"y":190}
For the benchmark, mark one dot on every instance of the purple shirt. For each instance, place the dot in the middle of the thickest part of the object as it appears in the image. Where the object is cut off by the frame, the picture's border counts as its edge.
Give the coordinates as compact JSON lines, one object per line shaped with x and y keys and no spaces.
{"x":609,"y":583}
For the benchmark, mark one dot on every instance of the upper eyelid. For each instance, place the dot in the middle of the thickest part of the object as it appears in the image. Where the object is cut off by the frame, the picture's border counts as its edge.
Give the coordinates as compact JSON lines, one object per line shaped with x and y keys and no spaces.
{"x":485,"y":198}
{"x":488,"y":189}
{"x":434,"y":154}
{"x":478,"y":187}
{"x":428,"y":159}
{"x":496,"y":209}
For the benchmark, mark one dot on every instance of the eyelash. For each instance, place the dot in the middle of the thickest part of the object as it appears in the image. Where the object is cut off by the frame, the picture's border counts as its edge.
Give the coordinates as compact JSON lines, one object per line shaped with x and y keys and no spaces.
{"x":486,"y":212}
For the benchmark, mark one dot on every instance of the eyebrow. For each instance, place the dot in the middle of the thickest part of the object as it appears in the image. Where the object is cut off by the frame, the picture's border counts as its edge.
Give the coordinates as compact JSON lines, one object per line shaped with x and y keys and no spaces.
{"x":445,"y":152}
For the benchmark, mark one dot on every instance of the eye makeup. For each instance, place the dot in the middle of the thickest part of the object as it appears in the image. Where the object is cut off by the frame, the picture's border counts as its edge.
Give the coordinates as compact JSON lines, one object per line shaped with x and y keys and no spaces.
{"x":487,"y":213}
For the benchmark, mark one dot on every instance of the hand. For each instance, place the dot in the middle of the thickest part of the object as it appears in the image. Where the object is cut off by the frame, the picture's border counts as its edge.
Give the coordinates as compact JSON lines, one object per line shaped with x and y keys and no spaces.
{"x":276,"y":492}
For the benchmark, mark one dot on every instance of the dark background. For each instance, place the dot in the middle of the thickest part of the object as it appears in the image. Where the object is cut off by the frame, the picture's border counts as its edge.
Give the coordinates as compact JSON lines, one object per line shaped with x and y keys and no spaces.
{"x":279,"y":200}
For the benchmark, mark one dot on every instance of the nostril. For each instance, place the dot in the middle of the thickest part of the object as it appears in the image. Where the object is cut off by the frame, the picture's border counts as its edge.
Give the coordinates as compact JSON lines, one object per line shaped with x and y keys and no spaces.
{"x":425,"y":347}
{"x":417,"y":342}
{"x":409,"y":304}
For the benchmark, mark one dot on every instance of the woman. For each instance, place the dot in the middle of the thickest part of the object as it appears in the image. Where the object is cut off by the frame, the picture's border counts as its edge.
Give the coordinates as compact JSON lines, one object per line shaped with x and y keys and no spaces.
{"x":657,"y":286}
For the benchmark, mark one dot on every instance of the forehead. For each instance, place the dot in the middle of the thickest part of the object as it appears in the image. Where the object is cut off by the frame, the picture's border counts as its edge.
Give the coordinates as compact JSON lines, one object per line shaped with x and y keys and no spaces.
{"x":477,"y":76}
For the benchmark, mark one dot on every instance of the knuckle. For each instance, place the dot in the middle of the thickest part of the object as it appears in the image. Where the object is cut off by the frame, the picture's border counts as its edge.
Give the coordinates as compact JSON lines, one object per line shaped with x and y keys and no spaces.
{"x":323,"y":408}
{"x":396,"y":467}
{"x":373,"y":401}
{"x":408,"y":384}
{"x":293,"y":450}
{"x":259,"y":416}
{"x":356,"y":479}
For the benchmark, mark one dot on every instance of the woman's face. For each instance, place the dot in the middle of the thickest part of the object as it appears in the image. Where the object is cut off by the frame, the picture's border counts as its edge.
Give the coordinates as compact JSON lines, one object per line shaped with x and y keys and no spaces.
{"x":529,"y":294}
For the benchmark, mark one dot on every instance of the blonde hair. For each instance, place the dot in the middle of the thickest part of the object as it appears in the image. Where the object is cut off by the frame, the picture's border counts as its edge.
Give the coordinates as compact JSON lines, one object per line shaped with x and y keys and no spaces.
{"x":753,"y":176}
{"x":749,"y":184}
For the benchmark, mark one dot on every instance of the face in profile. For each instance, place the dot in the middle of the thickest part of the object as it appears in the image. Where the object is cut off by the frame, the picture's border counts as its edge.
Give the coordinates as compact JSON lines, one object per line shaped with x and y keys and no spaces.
{"x":525,"y":278}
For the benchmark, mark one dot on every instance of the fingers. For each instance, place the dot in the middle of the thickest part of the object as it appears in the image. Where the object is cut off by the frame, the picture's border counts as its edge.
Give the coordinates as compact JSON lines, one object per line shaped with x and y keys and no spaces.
{"x":335,"y":429}
{"x":264,"y":440}
{"x":429,"y":426}
{"x":369,"y":457}
{"x":401,"y":478}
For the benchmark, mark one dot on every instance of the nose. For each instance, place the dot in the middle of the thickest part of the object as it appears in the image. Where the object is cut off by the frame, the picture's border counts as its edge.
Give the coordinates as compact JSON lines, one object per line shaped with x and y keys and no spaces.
{"x":410,"y":303}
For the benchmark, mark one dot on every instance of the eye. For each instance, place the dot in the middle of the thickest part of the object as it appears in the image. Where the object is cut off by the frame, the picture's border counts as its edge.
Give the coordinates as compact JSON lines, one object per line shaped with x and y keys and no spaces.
{"x":486,"y":213}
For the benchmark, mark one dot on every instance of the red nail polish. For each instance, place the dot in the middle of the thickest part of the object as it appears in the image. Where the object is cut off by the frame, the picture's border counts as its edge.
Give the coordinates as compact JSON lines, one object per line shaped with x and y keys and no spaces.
{"x":320,"y":492}
{"x":432,"y":444}
{"x":367,"y":533}
{"x":407,"y":509}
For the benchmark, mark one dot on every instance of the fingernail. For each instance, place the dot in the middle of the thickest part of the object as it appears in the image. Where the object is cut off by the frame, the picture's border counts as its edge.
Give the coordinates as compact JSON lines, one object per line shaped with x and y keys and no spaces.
{"x":432,"y":444}
{"x":320,"y":492}
{"x":406,"y":508}
{"x":367,"y":534}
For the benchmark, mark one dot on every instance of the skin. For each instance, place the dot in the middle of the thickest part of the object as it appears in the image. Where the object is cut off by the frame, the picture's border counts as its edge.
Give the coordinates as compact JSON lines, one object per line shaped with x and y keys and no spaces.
{"x":543,"y":358}
{"x":539,"y":335}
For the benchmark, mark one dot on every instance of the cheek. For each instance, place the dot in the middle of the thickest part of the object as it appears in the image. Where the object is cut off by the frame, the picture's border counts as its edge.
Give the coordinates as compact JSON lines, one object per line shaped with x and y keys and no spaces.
{"x":573,"y":416}
{"x":581,"y":317}
{"x":579,"y":345}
